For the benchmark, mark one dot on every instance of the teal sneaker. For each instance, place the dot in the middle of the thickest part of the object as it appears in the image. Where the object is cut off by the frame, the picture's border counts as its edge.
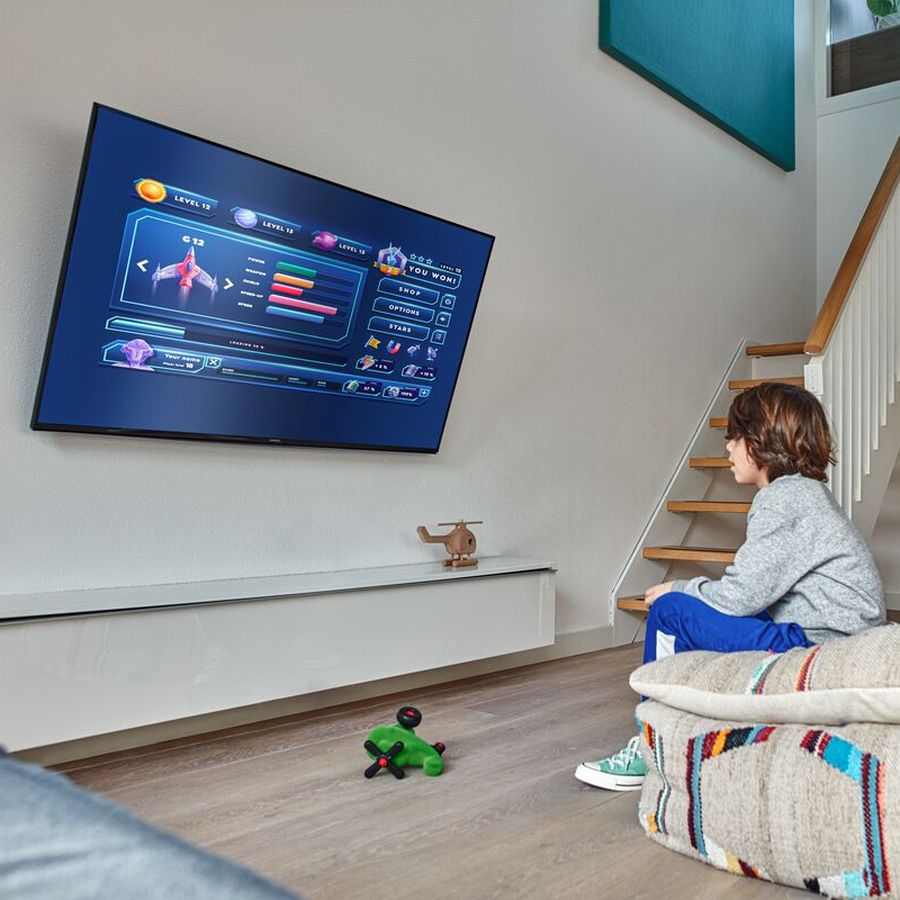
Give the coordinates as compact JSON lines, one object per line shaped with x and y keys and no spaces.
{"x":623,"y":771}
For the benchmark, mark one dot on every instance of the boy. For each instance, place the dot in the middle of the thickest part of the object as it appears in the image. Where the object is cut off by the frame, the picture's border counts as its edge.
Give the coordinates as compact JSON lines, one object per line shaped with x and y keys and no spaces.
{"x":804,"y":574}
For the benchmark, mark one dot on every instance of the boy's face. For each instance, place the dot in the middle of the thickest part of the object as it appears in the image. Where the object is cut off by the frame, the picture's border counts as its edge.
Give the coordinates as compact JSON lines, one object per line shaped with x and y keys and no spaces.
{"x":743,"y":468}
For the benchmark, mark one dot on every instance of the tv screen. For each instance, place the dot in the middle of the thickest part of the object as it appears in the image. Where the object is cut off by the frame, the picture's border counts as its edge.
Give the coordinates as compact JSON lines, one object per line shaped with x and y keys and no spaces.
{"x":206,"y":293}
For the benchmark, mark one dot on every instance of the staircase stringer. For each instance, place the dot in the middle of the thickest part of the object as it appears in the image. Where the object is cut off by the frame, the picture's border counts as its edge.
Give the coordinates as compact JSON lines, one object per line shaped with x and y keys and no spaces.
{"x":663,"y":528}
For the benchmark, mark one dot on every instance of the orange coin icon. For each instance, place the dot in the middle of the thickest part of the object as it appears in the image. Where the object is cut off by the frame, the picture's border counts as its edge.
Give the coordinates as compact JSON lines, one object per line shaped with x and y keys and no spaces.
{"x":150,"y":190}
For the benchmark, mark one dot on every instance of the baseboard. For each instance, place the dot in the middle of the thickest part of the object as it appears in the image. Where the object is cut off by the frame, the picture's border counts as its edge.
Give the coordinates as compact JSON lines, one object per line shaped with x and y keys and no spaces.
{"x":570,"y":644}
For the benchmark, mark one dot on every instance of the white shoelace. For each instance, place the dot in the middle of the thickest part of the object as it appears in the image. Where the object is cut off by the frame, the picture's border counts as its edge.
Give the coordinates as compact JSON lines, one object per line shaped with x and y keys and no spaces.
{"x":627,"y":754}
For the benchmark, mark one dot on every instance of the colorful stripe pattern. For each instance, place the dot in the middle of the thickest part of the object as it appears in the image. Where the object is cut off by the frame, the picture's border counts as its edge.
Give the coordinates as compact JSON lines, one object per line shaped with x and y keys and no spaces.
{"x":656,"y":820}
{"x":757,"y":683}
{"x":704,"y":747}
{"x":803,"y":676}
{"x":873,"y":879}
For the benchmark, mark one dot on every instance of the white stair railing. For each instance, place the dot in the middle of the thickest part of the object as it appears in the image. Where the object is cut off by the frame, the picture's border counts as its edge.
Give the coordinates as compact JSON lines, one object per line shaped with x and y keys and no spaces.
{"x":855,"y":373}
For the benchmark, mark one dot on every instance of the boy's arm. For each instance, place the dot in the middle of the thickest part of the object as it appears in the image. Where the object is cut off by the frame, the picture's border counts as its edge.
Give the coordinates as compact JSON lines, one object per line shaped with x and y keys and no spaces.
{"x":765,"y":568}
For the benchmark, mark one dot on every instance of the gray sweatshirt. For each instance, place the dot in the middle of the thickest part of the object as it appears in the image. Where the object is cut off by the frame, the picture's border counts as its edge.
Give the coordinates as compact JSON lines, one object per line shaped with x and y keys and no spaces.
{"x":803,"y":561}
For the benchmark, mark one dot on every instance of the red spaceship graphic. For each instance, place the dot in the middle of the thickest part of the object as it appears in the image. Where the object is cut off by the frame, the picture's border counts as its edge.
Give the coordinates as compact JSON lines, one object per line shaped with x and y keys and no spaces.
{"x":187,"y":270}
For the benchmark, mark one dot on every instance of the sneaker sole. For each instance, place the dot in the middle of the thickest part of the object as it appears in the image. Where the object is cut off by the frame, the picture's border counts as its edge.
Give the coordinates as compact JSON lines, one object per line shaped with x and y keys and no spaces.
{"x":609,"y":782}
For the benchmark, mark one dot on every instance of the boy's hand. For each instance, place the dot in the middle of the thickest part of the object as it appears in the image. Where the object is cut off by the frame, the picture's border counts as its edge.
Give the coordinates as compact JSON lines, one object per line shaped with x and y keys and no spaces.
{"x":651,"y":595}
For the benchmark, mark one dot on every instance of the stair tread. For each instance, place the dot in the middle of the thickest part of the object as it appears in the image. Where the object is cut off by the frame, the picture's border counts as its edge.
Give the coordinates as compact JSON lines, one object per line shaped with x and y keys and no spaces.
{"x":699,"y":554}
{"x":710,"y":462}
{"x":729,"y":506}
{"x":741,"y":384}
{"x":792,"y":348}
{"x":632,"y":604}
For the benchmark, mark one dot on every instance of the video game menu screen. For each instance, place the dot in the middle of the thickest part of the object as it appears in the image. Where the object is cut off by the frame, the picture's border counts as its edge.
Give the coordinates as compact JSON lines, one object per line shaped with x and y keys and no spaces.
{"x":208,"y":293}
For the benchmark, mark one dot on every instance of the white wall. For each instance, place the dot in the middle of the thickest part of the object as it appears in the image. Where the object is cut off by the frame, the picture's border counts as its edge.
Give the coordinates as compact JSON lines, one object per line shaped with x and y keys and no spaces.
{"x":636,"y":245}
{"x":853,"y":146}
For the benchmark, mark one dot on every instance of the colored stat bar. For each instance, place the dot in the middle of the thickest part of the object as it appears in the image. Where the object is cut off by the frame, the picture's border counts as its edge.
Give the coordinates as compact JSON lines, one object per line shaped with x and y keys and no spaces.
{"x":288,"y":284}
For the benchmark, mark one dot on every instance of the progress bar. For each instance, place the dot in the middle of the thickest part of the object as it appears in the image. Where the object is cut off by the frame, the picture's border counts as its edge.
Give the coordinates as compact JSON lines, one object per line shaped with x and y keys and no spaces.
{"x":304,"y":304}
{"x":286,"y":289}
{"x":294,"y":314}
{"x":295,"y":270}
{"x":289,"y":279}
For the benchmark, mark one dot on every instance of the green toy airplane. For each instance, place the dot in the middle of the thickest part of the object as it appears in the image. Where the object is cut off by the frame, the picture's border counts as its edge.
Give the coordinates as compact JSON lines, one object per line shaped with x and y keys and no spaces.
{"x":394,"y":747}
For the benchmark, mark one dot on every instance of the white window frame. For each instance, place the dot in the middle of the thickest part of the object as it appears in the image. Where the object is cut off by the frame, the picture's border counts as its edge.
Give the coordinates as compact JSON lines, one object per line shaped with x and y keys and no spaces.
{"x":826,"y":105}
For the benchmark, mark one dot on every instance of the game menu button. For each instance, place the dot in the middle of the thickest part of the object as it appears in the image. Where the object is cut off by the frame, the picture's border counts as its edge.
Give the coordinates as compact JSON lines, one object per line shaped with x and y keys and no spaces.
{"x":251,"y":220}
{"x":408,"y":291}
{"x":353,"y":249}
{"x":391,"y":326}
{"x":394,"y":307}
{"x":395,"y":392}
{"x":370,"y":364}
{"x":152,"y":191}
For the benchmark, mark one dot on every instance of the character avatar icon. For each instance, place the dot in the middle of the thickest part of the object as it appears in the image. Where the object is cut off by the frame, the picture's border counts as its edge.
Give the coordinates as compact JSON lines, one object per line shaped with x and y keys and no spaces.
{"x":391,"y":261}
{"x":136,"y":353}
{"x":187,"y":270}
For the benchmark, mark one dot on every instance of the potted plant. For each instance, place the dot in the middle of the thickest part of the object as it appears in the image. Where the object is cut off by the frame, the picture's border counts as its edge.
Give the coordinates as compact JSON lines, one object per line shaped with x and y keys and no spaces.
{"x":886,"y":12}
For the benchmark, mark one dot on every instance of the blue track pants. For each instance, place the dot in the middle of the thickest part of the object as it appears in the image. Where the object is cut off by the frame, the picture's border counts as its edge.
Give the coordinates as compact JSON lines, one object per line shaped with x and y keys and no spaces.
{"x":679,"y":622}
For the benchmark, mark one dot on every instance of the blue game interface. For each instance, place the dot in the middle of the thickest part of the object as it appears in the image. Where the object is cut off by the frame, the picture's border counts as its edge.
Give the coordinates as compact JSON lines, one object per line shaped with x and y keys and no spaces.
{"x":207,"y":293}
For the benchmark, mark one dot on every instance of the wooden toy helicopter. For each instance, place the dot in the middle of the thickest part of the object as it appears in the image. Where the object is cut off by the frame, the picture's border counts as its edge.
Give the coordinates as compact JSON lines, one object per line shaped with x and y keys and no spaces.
{"x":460,"y":542}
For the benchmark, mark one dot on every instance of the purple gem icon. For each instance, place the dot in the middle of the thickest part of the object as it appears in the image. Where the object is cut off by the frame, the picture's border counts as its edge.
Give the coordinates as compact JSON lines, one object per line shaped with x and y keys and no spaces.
{"x":325,"y":240}
{"x":136,"y":353}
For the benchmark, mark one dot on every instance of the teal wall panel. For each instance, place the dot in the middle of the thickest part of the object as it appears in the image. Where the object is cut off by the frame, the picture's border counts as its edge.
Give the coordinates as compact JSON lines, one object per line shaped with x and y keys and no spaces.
{"x":732,"y":61}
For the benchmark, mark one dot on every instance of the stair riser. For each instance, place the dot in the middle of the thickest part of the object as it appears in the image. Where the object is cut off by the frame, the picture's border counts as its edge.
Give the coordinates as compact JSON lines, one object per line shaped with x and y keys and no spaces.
{"x":776,"y":366}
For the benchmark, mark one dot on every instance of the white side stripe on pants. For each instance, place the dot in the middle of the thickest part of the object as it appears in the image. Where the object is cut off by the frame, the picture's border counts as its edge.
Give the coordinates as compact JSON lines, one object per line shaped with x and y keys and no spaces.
{"x":665,"y":644}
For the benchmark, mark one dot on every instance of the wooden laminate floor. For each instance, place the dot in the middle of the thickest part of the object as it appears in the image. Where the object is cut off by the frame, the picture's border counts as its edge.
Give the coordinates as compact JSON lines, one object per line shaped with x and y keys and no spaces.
{"x":506,"y":819}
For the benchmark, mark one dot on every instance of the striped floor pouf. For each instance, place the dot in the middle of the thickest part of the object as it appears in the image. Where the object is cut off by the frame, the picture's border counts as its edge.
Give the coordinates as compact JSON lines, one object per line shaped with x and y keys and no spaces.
{"x":812,"y":807}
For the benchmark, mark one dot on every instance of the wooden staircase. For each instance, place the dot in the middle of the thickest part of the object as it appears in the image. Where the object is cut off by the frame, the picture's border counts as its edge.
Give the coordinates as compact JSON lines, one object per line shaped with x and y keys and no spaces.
{"x":714,"y":465}
{"x":851,"y":363}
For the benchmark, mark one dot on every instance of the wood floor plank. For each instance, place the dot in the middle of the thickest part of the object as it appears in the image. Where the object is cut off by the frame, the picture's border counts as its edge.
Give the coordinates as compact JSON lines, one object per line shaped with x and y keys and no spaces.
{"x":505,"y":820}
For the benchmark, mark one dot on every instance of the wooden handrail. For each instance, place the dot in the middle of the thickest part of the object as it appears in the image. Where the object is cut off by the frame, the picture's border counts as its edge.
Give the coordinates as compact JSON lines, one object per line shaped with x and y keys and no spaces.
{"x":846,"y":274}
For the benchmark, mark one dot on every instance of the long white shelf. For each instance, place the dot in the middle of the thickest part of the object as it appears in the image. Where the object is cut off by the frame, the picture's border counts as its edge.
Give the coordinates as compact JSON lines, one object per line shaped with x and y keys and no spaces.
{"x":81,"y":663}
{"x":57,"y":604}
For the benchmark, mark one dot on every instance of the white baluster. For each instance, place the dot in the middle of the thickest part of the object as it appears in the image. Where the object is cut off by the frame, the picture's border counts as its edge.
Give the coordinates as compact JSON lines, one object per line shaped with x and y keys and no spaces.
{"x":837,"y":412}
{"x":880,"y":263}
{"x":890,"y":295}
{"x":858,"y":364}
{"x":870,"y":398}
{"x":828,"y":404}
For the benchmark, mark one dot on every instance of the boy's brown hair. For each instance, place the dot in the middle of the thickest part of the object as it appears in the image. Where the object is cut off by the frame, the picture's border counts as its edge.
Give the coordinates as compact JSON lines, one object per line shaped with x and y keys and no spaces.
{"x":785,"y":430}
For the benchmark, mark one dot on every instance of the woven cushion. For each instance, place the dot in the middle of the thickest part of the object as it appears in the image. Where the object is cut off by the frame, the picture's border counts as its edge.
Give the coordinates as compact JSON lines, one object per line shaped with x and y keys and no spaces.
{"x":852,"y":679}
{"x":810,"y":807}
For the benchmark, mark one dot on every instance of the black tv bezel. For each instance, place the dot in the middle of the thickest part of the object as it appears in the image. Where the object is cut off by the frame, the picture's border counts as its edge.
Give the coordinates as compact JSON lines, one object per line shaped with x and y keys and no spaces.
{"x":200,"y":436}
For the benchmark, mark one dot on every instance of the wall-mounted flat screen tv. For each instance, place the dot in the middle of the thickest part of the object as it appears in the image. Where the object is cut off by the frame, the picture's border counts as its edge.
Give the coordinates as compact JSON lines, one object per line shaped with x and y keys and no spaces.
{"x":206,"y":293}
